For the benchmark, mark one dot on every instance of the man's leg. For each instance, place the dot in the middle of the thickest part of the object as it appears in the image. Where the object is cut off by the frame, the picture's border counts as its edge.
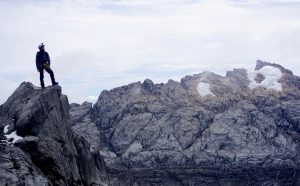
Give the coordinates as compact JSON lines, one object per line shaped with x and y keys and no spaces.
{"x":51,"y":76}
{"x":42,"y":78}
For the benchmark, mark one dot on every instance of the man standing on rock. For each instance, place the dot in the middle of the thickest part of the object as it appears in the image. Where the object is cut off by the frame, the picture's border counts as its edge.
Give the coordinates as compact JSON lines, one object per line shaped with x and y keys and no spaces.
{"x":43,"y":63}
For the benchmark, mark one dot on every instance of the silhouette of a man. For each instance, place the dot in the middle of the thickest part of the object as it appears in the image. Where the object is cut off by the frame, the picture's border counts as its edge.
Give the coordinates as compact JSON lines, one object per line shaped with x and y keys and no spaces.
{"x":43,"y":63}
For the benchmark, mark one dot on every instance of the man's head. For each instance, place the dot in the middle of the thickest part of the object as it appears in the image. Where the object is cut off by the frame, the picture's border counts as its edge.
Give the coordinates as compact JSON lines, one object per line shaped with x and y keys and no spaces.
{"x":41,"y":47}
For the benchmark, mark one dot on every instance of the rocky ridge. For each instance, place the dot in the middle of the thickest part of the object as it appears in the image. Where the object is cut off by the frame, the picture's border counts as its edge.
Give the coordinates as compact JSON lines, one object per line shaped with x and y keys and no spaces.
{"x":170,"y":134}
{"x":49,"y":152}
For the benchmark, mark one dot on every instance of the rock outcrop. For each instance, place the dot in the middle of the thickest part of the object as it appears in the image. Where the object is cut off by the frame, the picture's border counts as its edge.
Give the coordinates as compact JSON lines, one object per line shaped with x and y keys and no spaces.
{"x":17,"y":168}
{"x":205,"y":130}
{"x":50,"y":153}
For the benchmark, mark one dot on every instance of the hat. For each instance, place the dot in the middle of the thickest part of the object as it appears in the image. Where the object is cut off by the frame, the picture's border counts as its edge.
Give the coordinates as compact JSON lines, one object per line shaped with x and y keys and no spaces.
{"x":41,"y":45}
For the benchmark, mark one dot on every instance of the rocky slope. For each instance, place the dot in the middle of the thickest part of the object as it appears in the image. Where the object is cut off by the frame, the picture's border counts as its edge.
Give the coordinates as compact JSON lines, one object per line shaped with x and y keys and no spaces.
{"x":240,"y":129}
{"x":48,"y":152}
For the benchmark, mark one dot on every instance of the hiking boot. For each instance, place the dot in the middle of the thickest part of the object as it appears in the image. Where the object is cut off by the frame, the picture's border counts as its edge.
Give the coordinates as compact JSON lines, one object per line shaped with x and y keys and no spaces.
{"x":55,"y":83}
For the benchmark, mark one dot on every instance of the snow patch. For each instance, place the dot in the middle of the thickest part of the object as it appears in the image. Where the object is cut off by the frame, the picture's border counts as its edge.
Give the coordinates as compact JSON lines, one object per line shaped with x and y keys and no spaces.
{"x":14,"y":136}
{"x":5,"y":130}
{"x":271,"y":74}
{"x":204,"y":89}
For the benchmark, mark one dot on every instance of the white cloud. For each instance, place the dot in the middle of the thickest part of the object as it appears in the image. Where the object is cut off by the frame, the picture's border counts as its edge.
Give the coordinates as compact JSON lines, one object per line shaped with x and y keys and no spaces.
{"x":7,"y":88}
{"x":101,"y":44}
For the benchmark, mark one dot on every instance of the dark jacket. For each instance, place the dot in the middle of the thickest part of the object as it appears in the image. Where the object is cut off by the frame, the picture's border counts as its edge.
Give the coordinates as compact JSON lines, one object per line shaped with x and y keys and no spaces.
{"x":41,"y":58}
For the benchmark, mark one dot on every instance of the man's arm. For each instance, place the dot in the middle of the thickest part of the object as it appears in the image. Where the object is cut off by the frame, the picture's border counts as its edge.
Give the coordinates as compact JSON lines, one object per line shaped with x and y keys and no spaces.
{"x":48,"y":58}
{"x":37,"y":62}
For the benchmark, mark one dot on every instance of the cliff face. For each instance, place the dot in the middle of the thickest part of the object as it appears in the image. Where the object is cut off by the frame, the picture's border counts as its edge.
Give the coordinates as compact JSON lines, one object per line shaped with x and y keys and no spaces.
{"x":205,"y":130}
{"x":52,"y":152}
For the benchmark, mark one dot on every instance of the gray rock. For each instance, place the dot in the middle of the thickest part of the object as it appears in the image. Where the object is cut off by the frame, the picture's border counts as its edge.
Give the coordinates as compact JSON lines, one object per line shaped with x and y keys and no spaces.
{"x":82,"y":124}
{"x":42,"y":118}
{"x":17,"y":168}
{"x":78,"y":113}
{"x":237,"y":136}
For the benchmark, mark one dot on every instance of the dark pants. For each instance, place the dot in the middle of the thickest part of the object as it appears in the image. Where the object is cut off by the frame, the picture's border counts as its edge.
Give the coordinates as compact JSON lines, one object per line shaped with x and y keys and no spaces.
{"x":42,"y":76}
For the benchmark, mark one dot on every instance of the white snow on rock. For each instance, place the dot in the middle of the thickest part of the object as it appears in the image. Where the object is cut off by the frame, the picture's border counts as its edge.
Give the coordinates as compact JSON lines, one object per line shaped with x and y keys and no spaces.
{"x":14,"y":136}
{"x":11,"y":135}
{"x":204,"y":89}
{"x":271,"y":74}
{"x":5,"y":130}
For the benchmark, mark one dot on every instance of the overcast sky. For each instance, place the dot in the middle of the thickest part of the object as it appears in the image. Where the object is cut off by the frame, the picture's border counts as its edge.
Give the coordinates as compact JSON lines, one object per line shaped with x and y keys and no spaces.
{"x":101,"y":44}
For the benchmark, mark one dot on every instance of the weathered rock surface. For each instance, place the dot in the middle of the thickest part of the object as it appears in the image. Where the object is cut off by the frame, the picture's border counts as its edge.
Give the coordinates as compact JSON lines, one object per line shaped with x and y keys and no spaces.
{"x":52,"y":153}
{"x":16,"y":168}
{"x":168,"y":134}
{"x":83,"y":125}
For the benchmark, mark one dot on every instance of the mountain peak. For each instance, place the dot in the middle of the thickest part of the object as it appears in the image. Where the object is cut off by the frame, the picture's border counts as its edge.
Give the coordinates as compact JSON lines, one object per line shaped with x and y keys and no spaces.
{"x":260,"y":64}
